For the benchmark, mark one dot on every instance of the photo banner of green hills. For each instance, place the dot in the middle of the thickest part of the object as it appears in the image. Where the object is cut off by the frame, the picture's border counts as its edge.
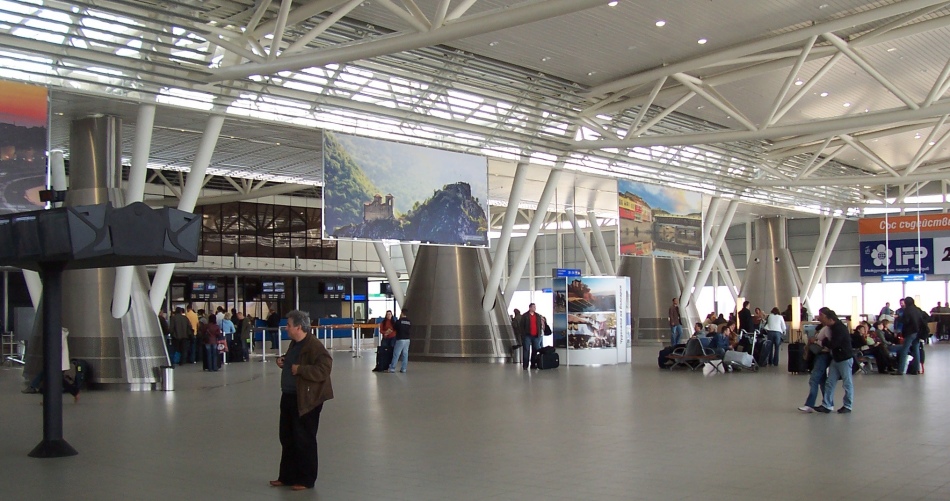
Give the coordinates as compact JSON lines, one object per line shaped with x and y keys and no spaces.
{"x":383,"y":190}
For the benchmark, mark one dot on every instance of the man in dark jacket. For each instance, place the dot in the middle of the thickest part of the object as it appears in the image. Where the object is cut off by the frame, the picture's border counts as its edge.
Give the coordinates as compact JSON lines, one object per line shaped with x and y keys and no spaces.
{"x":842,"y":357}
{"x":532,"y":328}
{"x":305,"y":385}
{"x":913,"y":323}
{"x":745,"y":318}
{"x":180,"y":329}
{"x":401,"y":347}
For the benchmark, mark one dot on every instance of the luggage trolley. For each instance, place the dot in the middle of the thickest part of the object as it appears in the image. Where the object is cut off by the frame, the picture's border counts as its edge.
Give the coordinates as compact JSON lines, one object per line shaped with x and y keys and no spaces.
{"x":738,"y":361}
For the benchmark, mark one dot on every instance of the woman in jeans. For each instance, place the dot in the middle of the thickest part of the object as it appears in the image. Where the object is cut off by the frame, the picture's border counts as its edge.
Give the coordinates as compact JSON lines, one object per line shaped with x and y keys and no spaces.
{"x":774,"y":328}
{"x":819,"y":372}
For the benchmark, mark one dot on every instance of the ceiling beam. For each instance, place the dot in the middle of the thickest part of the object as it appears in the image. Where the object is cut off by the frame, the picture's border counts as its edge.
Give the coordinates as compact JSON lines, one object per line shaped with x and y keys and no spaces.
{"x":277,"y":189}
{"x":764,"y":44}
{"x":498,"y":19}
{"x":852,"y":180}
{"x":836,"y":125}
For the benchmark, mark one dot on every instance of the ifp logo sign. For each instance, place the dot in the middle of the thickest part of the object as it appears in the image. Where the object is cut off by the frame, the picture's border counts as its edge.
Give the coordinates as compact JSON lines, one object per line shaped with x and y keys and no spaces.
{"x":897,"y":256}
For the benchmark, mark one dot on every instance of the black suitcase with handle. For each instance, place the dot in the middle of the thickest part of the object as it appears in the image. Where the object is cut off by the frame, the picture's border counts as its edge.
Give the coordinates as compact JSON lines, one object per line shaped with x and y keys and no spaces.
{"x":547,"y":358}
{"x":796,"y":358}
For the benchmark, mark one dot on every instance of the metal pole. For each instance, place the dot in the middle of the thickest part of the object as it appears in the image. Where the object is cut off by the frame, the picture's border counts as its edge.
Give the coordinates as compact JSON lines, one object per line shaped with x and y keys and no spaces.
{"x":6,"y":302}
{"x":391,"y":274}
{"x":693,"y":271}
{"x":408,"y":257}
{"x":710,"y":259}
{"x":824,"y":227}
{"x":53,"y":445}
{"x":825,"y":255}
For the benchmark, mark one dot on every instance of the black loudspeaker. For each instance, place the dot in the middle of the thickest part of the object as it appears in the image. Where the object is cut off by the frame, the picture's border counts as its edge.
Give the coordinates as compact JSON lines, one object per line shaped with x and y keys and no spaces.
{"x":99,"y":236}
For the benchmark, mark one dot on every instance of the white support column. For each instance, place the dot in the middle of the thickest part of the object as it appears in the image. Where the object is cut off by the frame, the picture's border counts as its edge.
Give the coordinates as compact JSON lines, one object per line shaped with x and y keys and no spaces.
{"x":710,"y":259}
{"x":189,"y":198}
{"x":726,"y":277}
{"x":601,"y":244}
{"x":134,"y":192}
{"x":409,"y":257}
{"x":527,"y":250}
{"x":825,"y":255}
{"x":730,"y":268}
{"x":581,"y":239}
{"x":824,"y":227}
{"x":501,"y":250}
{"x":391,"y":274}
{"x":694,"y":264}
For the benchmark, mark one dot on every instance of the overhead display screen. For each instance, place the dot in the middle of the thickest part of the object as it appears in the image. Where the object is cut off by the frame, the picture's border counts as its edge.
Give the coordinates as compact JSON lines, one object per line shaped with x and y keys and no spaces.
{"x":382,"y":190}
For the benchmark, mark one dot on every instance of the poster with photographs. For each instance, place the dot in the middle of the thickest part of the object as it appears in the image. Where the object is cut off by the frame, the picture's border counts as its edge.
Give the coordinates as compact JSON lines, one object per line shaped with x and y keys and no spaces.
{"x":24,"y":119}
{"x":592,"y":319}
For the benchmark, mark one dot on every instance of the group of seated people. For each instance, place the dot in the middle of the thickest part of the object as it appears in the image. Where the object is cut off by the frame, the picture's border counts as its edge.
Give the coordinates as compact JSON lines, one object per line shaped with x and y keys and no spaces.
{"x":721,"y":337}
{"x":877,"y":341}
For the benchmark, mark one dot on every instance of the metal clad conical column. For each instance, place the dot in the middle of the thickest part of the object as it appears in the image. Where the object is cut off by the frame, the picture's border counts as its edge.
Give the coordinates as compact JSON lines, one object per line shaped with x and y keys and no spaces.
{"x":124,"y":351}
{"x":444,"y":302}
{"x":771,"y":277}
{"x":652,"y":289}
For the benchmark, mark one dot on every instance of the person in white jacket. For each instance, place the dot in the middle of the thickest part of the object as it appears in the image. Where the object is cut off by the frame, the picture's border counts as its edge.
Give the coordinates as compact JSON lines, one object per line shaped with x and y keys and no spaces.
{"x":774,"y":328}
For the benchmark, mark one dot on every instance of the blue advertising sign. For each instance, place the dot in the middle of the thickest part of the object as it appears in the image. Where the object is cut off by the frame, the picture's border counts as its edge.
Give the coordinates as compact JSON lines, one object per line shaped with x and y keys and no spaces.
{"x":897,"y":257}
{"x":566,"y":272}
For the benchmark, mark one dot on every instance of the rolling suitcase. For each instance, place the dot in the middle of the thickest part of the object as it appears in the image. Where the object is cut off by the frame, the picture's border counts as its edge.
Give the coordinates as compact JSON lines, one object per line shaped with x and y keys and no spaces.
{"x":796,"y":358}
{"x":547,"y":358}
{"x":236,"y":351}
{"x":384,"y":357}
{"x":762,"y":352}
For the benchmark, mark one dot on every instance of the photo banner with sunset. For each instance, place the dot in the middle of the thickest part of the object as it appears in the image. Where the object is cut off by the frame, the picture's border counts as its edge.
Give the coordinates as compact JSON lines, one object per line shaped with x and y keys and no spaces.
{"x":24,"y":142}
{"x":383,"y":190}
{"x":657,"y":221}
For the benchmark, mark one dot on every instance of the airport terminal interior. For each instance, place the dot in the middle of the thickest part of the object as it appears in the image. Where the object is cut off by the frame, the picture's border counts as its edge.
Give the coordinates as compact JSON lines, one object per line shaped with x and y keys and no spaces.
{"x":457,"y":160}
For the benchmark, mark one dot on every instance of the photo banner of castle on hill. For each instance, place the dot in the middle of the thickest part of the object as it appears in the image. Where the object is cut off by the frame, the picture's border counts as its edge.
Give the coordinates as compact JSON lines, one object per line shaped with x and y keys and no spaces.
{"x":893,"y":246}
{"x":382,"y":190}
{"x":656,"y":221}
{"x":24,"y":126}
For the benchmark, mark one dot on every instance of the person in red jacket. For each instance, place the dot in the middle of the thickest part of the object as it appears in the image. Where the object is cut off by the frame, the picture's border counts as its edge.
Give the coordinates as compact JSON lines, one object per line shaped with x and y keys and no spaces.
{"x":532,"y":328}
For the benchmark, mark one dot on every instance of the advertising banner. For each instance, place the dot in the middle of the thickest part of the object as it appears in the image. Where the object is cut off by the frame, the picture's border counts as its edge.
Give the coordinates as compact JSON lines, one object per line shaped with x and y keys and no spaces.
{"x":658,"y":221}
{"x":382,"y":190}
{"x":592,"y":319}
{"x":893,"y":245}
{"x":24,"y":141}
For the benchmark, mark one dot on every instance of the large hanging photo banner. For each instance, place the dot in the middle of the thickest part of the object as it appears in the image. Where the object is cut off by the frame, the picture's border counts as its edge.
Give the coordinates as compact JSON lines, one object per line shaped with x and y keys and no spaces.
{"x":382,"y":190}
{"x":24,"y":119}
{"x":892,"y":245}
{"x":658,"y":221}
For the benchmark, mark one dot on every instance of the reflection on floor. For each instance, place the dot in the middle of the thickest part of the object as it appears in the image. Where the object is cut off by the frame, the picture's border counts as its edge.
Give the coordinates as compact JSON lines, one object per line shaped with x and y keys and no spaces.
{"x":481,"y":431}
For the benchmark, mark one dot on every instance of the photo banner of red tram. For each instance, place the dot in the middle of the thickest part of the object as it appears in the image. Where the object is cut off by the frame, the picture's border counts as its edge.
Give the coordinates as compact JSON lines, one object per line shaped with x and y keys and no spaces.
{"x":24,"y":126}
{"x":905,"y":245}
{"x":658,"y":221}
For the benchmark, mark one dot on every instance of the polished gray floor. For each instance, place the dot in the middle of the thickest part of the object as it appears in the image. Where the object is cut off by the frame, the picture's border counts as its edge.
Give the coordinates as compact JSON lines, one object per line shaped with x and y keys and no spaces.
{"x":473,"y":431}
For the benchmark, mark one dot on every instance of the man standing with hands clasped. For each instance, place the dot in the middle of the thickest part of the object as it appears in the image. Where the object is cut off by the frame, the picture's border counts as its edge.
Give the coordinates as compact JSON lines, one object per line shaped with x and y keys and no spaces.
{"x":305,"y":386}
{"x":532,"y":328}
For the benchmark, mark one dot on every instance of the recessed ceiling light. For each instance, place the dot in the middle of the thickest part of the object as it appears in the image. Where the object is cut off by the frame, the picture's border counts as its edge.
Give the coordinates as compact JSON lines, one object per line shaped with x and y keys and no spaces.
{"x":847,"y":105}
{"x":700,"y":107}
{"x":823,"y":94}
{"x":613,"y":3}
{"x":932,"y":143}
{"x":799,"y":82}
{"x":493,"y":44}
{"x":591,"y":73}
{"x":661,"y":23}
{"x":701,"y":41}
{"x":823,"y":6}
{"x":545,"y":59}
{"x":867,"y":110}
{"x":892,"y":49}
{"x":917,"y":136}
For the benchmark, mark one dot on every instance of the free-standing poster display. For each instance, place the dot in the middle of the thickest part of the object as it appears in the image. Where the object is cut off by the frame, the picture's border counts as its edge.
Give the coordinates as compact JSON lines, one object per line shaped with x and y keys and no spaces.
{"x":383,"y":190}
{"x":592,"y":320}
{"x":658,"y":221}
{"x":24,"y":140}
